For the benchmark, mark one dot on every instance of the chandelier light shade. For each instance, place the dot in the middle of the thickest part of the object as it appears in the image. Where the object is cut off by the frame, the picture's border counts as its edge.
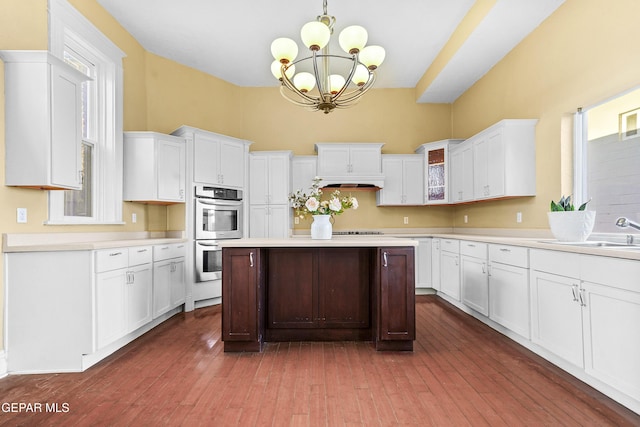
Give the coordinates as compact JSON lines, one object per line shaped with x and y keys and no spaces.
{"x":326,"y":81}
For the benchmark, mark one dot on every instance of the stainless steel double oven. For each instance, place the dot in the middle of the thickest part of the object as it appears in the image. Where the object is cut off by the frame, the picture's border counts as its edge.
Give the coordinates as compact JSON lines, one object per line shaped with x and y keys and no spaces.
{"x":218,"y":216}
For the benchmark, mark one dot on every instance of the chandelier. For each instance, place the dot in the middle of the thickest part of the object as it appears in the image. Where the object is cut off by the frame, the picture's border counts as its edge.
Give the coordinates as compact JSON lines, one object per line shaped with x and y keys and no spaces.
{"x":324,"y":89}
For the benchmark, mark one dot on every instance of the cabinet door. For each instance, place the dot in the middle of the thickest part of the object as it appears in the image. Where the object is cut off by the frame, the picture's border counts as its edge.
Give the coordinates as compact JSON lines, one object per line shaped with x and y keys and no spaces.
{"x":462,"y":173}
{"x":509,"y":297}
{"x":170,"y":157}
{"x":474,"y":283}
{"x":413,"y":181}
{"x":481,"y":168}
{"x":206,"y":160}
{"x":450,"y":274}
{"x":556,"y":315}
{"x":333,"y":160}
{"x":303,"y":170}
{"x":612,"y":347}
{"x":423,"y":263}
{"x":396,"y":294}
{"x":242,"y":287}
{"x":258,"y":180}
{"x":111,"y":315}
{"x":161,"y":287}
{"x":365,"y":159}
{"x":66,"y":129}
{"x":292,"y":275}
{"x":392,"y":193}
{"x":496,"y":165}
{"x":258,"y":221}
{"x":139,"y":296}
{"x":278,"y":221}
{"x":178,"y":283}
{"x":232,"y":164}
{"x":279,"y":179}
{"x":435,"y":264}
{"x":343,"y":296}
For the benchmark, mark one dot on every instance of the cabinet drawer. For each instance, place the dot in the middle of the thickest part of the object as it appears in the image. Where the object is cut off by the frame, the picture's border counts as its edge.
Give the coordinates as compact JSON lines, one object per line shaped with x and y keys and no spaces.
{"x":510,"y":255}
{"x":473,"y":249}
{"x":140,"y":255}
{"x":112,"y":259}
{"x":618,"y":273}
{"x":450,"y":245}
{"x":168,"y":251}
{"x":556,"y":262}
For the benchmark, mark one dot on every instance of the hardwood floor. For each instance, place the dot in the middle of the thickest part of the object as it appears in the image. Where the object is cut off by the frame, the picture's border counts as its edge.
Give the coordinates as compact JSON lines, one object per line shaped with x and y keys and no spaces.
{"x":460,"y":373}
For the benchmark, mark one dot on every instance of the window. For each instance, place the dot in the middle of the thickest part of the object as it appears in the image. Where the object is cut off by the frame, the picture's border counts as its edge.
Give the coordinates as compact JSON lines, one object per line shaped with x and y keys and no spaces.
{"x":75,"y":40}
{"x":607,"y":161}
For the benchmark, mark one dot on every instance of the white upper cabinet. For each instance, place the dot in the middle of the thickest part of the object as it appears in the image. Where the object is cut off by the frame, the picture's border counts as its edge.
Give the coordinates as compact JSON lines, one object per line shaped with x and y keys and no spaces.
{"x":303,"y":170}
{"x":504,"y":160}
{"x":437,"y":170}
{"x":462,"y":173}
{"x":216,"y":160}
{"x":154,"y":168}
{"x":43,"y":121}
{"x":269,"y":177}
{"x":404,"y":180}
{"x":339,"y":159}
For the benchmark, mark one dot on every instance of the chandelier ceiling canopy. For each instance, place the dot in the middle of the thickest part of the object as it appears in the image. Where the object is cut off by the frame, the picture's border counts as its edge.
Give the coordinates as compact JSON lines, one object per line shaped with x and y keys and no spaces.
{"x":332,"y":81}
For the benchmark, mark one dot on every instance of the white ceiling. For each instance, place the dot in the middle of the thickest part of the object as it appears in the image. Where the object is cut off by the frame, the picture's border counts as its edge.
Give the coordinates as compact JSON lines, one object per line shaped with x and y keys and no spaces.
{"x":231,"y":39}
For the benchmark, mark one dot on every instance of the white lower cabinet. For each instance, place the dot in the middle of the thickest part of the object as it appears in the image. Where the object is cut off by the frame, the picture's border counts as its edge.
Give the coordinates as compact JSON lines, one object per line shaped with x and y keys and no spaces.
{"x":474,"y":281}
{"x":450,"y":268}
{"x":509,"y":287}
{"x":168,"y":277}
{"x":77,"y":307}
{"x":124,"y":281}
{"x":435,"y":263}
{"x":423,"y":263}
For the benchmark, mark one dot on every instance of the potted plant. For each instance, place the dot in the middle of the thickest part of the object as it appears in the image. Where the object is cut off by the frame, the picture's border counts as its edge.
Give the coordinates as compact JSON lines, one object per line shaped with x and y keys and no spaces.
{"x":321,"y":210}
{"x":568,"y":224}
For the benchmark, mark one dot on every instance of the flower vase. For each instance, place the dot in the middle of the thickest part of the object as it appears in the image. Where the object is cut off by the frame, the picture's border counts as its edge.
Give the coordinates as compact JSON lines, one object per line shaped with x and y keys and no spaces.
{"x":321,"y":227}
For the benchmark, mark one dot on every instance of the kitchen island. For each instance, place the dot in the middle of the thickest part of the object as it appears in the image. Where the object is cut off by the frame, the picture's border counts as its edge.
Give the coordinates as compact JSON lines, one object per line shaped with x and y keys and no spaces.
{"x":343,"y":289}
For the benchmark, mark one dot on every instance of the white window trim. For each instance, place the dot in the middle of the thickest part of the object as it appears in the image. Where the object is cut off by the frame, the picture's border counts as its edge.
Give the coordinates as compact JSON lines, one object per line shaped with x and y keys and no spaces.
{"x":66,"y":23}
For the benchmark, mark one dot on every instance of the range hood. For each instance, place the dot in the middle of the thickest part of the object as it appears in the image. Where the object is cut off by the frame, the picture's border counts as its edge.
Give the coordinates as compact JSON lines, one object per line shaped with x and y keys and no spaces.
{"x":350,"y":182}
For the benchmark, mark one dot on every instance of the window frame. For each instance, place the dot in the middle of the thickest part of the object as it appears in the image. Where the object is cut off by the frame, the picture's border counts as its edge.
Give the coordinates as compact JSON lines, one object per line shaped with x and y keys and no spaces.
{"x":67,"y":27}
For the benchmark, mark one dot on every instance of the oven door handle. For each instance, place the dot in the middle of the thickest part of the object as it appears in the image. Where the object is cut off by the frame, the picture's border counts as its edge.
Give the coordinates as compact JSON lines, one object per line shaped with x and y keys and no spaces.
{"x":219,"y":202}
{"x":210,"y":245}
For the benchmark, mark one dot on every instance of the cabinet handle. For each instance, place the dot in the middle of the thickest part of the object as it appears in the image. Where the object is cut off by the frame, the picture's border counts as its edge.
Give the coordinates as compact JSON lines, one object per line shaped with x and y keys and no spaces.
{"x":471,"y":245}
{"x":484,"y":268}
{"x":385,"y":259}
{"x":583,"y":298}
{"x":574,"y":291}
{"x":457,"y":261}
{"x":180,"y":246}
{"x":251,"y":259}
{"x":115,"y":253}
{"x":164,"y":247}
{"x":133,"y":277}
{"x":505,"y":250}
{"x":141,"y":251}
{"x":489,"y":270}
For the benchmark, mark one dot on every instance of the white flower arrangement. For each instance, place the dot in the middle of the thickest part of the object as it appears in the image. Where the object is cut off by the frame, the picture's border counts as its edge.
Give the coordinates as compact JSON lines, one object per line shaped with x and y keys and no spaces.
{"x":312,"y":203}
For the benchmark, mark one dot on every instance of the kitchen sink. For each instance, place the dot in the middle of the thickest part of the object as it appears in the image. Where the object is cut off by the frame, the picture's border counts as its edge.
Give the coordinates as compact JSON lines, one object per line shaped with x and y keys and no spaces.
{"x":595,"y":244}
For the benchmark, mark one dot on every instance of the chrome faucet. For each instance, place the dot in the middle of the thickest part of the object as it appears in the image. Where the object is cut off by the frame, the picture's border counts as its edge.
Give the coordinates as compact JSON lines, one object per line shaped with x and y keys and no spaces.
{"x":625,"y":222}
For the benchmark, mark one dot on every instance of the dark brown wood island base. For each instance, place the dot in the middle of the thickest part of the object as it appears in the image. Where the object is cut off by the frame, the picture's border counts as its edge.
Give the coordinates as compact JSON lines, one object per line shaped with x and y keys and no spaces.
{"x":343,"y":289}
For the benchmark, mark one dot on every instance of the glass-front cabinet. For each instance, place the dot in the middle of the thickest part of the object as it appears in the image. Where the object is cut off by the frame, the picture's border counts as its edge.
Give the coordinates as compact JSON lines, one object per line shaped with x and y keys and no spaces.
{"x":437,"y":181}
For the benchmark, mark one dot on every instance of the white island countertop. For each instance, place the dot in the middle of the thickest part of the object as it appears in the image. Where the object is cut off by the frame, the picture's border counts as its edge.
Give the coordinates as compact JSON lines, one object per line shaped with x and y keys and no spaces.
{"x":307,"y":242}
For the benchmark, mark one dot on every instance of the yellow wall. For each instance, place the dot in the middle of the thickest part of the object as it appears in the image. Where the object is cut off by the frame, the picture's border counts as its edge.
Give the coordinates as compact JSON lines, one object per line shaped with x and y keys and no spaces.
{"x":578,"y":57}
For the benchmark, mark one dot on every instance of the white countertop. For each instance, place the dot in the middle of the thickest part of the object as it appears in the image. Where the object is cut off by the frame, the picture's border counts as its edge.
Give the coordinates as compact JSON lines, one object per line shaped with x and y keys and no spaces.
{"x":307,"y":242}
{"x":48,"y":242}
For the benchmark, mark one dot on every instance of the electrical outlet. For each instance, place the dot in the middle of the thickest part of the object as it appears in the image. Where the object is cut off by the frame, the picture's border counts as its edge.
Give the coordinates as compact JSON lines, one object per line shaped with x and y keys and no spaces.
{"x":296,"y":220}
{"x":466,"y":219}
{"x":518,"y":216}
{"x":22,"y":215}
{"x":134,"y":218}
{"x":406,"y":220}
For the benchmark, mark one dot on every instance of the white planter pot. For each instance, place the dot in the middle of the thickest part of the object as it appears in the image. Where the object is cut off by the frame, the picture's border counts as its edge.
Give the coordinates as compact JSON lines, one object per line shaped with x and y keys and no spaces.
{"x":572,"y":226}
{"x":321,"y":227}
